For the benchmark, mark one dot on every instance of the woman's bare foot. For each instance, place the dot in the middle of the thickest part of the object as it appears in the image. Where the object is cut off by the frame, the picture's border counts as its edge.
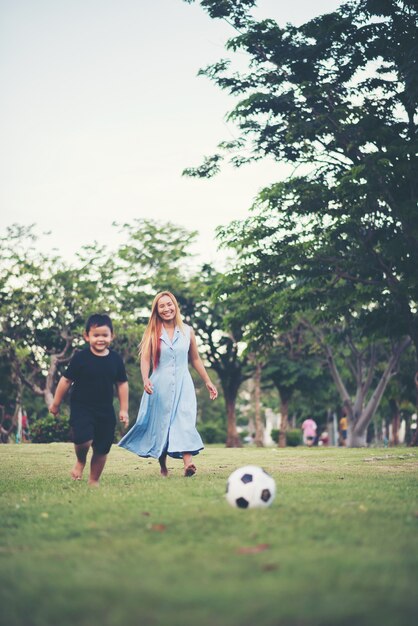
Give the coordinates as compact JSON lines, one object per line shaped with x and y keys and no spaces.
{"x":77,"y":471}
{"x":93,"y":483}
{"x":163,"y":465}
{"x":190,"y":470}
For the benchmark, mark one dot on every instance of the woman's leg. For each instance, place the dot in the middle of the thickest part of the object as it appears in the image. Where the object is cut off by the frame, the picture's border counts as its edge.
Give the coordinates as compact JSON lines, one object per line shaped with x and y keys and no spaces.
{"x":163,"y":466}
{"x":189,"y":467}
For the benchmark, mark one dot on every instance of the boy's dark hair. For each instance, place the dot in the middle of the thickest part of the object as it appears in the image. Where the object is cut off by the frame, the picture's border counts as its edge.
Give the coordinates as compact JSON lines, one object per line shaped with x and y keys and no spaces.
{"x":97,"y":319}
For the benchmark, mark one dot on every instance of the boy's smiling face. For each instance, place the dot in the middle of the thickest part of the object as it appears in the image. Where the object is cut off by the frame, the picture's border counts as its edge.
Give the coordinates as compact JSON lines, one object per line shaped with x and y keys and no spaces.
{"x":99,"y":338}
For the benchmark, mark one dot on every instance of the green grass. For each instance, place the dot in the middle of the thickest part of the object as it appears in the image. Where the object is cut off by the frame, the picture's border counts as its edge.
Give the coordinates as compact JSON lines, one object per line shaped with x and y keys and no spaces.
{"x":342,"y":541}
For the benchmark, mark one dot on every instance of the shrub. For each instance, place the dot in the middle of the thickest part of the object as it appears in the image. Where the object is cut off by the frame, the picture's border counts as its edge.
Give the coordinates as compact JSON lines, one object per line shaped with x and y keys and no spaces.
{"x":293,"y":437}
{"x":50,"y":429}
{"x":212,"y":433}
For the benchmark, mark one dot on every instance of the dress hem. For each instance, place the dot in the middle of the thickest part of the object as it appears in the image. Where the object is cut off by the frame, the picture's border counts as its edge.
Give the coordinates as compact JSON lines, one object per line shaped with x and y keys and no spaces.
{"x":173,"y":455}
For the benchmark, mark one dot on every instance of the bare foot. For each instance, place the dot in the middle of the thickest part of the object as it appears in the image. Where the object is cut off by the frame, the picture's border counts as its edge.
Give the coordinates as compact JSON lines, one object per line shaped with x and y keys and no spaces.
{"x":93,"y":483}
{"x":77,"y":471}
{"x":163,"y":466}
{"x":190,"y":470}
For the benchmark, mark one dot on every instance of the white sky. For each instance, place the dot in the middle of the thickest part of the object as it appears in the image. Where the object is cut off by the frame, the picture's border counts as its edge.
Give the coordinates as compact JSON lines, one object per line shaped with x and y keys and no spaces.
{"x":101,"y":110}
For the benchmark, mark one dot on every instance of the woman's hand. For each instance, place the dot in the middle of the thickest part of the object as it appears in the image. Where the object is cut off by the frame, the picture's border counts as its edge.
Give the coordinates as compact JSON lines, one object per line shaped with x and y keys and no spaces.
{"x":148,"y":388}
{"x":213,"y":392}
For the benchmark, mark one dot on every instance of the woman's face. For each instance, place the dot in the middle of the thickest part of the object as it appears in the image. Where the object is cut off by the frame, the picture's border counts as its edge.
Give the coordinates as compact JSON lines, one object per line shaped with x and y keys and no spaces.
{"x":166,"y":309}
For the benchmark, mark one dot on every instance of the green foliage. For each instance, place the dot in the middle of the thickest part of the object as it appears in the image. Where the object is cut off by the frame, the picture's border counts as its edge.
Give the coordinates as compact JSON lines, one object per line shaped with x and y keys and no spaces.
{"x":213,"y":432}
{"x":234,"y":10}
{"x":221,"y":334}
{"x":335,"y":246}
{"x":209,"y":168}
{"x":293,"y":436}
{"x":207,"y":409}
{"x":45,"y":303}
{"x":50,"y":429}
{"x":153,"y":258}
{"x":338,"y":97}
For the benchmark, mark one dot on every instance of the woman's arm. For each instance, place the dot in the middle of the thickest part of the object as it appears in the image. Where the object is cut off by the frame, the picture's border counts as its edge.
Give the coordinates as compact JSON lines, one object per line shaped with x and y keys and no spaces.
{"x":197,"y":363}
{"x":145,"y":370}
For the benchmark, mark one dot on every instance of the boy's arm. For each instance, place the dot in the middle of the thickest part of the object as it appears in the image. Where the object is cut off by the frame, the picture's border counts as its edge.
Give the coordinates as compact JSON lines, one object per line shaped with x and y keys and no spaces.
{"x":62,"y":388}
{"x":123,"y":395}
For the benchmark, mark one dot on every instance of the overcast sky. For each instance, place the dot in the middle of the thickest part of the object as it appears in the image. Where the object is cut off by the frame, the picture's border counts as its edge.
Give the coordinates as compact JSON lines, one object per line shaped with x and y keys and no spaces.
{"x":101,"y":110}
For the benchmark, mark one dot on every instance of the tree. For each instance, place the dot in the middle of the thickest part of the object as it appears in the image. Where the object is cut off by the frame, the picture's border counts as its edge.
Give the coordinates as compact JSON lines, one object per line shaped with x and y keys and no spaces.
{"x":44,"y":303}
{"x":259,"y":426}
{"x":337,"y":97}
{"x":368,"y":384}
{"x":154,"y":257}
{"x":400,"y":400}
{"x":222,"y":339}
{"x":293,"y":365}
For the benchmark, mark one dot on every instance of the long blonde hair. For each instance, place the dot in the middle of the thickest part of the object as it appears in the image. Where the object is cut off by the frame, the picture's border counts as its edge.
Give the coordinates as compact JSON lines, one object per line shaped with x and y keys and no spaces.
{"x":151,"y":342}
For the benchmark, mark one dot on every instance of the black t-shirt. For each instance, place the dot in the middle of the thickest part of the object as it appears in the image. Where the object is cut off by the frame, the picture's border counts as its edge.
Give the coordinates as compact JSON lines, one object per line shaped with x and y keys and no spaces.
{"x":94,"y":377}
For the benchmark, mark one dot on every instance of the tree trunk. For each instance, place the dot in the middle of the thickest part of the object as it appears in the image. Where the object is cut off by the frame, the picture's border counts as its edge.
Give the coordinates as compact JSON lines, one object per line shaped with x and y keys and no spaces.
{"x":356,"y":438}
{"x":359,"y":416}
{"x":48,"y":391}
{"x":48,"y":396}
{"x":284,"y":411}
{"x":259,"y":428}
{"x":395,"y":421}
{"x":360,"y":426}
{"x":232,"y":437}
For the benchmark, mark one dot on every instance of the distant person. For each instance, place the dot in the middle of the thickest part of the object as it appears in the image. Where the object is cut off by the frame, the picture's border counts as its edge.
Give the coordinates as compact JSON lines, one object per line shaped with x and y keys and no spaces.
{"x":309,"y":428}
{"x":6,"y":427}
{"x":166,"y":423}
{"x":323,"y":438}
{"x":93,"y":373}
{"x":343,"y":426}
{"x":25,"y":428}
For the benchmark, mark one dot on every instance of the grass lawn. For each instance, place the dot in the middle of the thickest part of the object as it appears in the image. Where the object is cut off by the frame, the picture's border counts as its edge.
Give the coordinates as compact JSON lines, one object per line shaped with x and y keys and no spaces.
{"x":338,"y":546}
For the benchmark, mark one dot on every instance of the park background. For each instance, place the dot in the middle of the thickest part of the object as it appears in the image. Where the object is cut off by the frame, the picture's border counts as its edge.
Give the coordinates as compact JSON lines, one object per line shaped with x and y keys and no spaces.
{"x":300,"y":154}
{"x":304,"y":304}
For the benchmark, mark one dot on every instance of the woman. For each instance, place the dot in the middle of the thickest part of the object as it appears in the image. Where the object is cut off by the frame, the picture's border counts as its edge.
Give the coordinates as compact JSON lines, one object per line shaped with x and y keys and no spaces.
{"x":166,"y":422}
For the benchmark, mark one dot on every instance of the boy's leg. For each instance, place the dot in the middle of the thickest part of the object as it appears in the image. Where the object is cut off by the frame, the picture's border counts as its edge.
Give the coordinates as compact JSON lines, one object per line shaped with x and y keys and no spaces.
{"x":81,"y":451}
{"x":83,"y":433}
{"x":104,"y":433}
{"x":98,"y":461}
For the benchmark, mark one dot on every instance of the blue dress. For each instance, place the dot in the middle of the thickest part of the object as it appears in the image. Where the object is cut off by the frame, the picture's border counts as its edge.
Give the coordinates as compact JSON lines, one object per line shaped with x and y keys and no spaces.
{"x":166,"y":420}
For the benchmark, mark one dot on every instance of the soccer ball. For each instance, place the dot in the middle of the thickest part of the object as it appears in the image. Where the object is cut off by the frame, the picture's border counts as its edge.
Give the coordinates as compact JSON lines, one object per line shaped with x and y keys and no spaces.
{"x":250,"y":487}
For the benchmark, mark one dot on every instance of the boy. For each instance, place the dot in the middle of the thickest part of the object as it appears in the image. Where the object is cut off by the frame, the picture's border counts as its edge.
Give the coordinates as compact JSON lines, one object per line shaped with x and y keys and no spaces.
{"x":93,"y":372}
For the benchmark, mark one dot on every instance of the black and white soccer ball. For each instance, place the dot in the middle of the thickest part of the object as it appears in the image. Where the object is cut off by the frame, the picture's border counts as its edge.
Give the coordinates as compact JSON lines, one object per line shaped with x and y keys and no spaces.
{"x":249,"y":487}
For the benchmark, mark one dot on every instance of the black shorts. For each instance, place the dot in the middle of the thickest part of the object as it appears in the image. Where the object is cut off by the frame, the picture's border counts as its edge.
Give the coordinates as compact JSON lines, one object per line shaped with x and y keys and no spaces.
{"x":93,"y":424}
